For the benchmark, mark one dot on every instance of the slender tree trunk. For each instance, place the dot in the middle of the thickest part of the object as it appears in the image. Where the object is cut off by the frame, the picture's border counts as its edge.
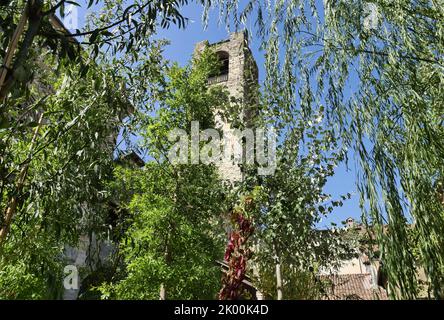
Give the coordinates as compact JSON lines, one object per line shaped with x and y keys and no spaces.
{"x":162,"y":294}
{"x":167,"y":256}
{"x":279,"y":281}
{"x":13,"y":45}
{"x":33,"y":14}
{"x":167,"y":253}
{"x":278,"y":275}
{"x":13,"y":202}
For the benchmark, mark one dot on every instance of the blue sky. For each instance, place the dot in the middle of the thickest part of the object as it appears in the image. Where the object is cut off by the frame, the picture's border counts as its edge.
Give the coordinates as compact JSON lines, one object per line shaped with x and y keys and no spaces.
{"x":181,"y":47}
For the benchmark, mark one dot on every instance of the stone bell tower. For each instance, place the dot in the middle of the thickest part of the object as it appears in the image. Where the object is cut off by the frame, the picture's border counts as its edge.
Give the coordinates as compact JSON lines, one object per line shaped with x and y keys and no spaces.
{"x":239,"y":75}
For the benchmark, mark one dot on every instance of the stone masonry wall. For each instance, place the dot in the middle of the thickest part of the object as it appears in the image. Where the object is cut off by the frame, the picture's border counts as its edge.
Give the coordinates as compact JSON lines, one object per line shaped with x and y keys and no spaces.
{"x":242,"y":77}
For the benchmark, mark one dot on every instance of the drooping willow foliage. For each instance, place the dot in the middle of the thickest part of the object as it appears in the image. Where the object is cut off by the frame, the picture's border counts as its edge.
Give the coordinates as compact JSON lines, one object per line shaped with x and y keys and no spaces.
{"x":377,"y":69}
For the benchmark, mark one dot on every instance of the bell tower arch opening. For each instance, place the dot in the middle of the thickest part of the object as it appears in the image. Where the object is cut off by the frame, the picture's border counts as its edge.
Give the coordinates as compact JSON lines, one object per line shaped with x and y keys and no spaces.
{"x":221,"y":74}
{"x":224,"y":60}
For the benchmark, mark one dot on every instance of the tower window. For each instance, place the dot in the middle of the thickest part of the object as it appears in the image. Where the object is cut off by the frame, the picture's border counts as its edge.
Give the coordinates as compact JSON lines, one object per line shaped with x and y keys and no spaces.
{"x":222,"y":73}
{"x":224,"y":61}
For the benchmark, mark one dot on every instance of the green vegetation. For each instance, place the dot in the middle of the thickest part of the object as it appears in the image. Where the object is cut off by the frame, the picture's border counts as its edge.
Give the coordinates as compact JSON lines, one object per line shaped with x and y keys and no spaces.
{"x":64,"y":103}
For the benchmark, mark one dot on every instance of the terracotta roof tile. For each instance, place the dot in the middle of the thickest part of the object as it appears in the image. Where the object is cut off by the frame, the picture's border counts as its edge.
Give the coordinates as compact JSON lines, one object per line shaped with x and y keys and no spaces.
{"x":352,"y":287}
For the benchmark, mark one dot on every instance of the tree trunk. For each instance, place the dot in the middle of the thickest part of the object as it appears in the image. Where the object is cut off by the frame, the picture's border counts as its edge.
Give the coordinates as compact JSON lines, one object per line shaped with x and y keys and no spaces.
{"x":167,"y":255}
{"x":13,"y":202}
{"x":13,"y":45}
{"x":162,"y":293}
{"x":278,"y":273}
{"x":279,"y":281}
{"x":33,"y":14}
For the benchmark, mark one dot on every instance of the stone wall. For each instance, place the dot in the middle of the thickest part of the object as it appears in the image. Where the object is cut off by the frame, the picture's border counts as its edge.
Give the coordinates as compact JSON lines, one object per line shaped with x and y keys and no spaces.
{"x":241,"y":84}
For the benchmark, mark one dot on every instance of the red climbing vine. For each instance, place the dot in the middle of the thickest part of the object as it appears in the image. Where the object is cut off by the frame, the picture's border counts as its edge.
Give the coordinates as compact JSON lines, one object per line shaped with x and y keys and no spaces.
{"x":237,"y":254}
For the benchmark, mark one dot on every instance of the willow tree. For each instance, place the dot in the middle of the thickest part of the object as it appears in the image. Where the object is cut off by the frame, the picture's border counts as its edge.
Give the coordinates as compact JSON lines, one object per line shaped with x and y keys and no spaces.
{"x":116,"y":26}
{"x":31,"y":32}
{"x":377,"y":68}
{"x":58,"y":127}
{"x":52,"y":172}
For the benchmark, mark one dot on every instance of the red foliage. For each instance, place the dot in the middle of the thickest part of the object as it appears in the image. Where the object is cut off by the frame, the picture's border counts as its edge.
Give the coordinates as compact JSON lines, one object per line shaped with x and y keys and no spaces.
{"x":236,"y":255}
